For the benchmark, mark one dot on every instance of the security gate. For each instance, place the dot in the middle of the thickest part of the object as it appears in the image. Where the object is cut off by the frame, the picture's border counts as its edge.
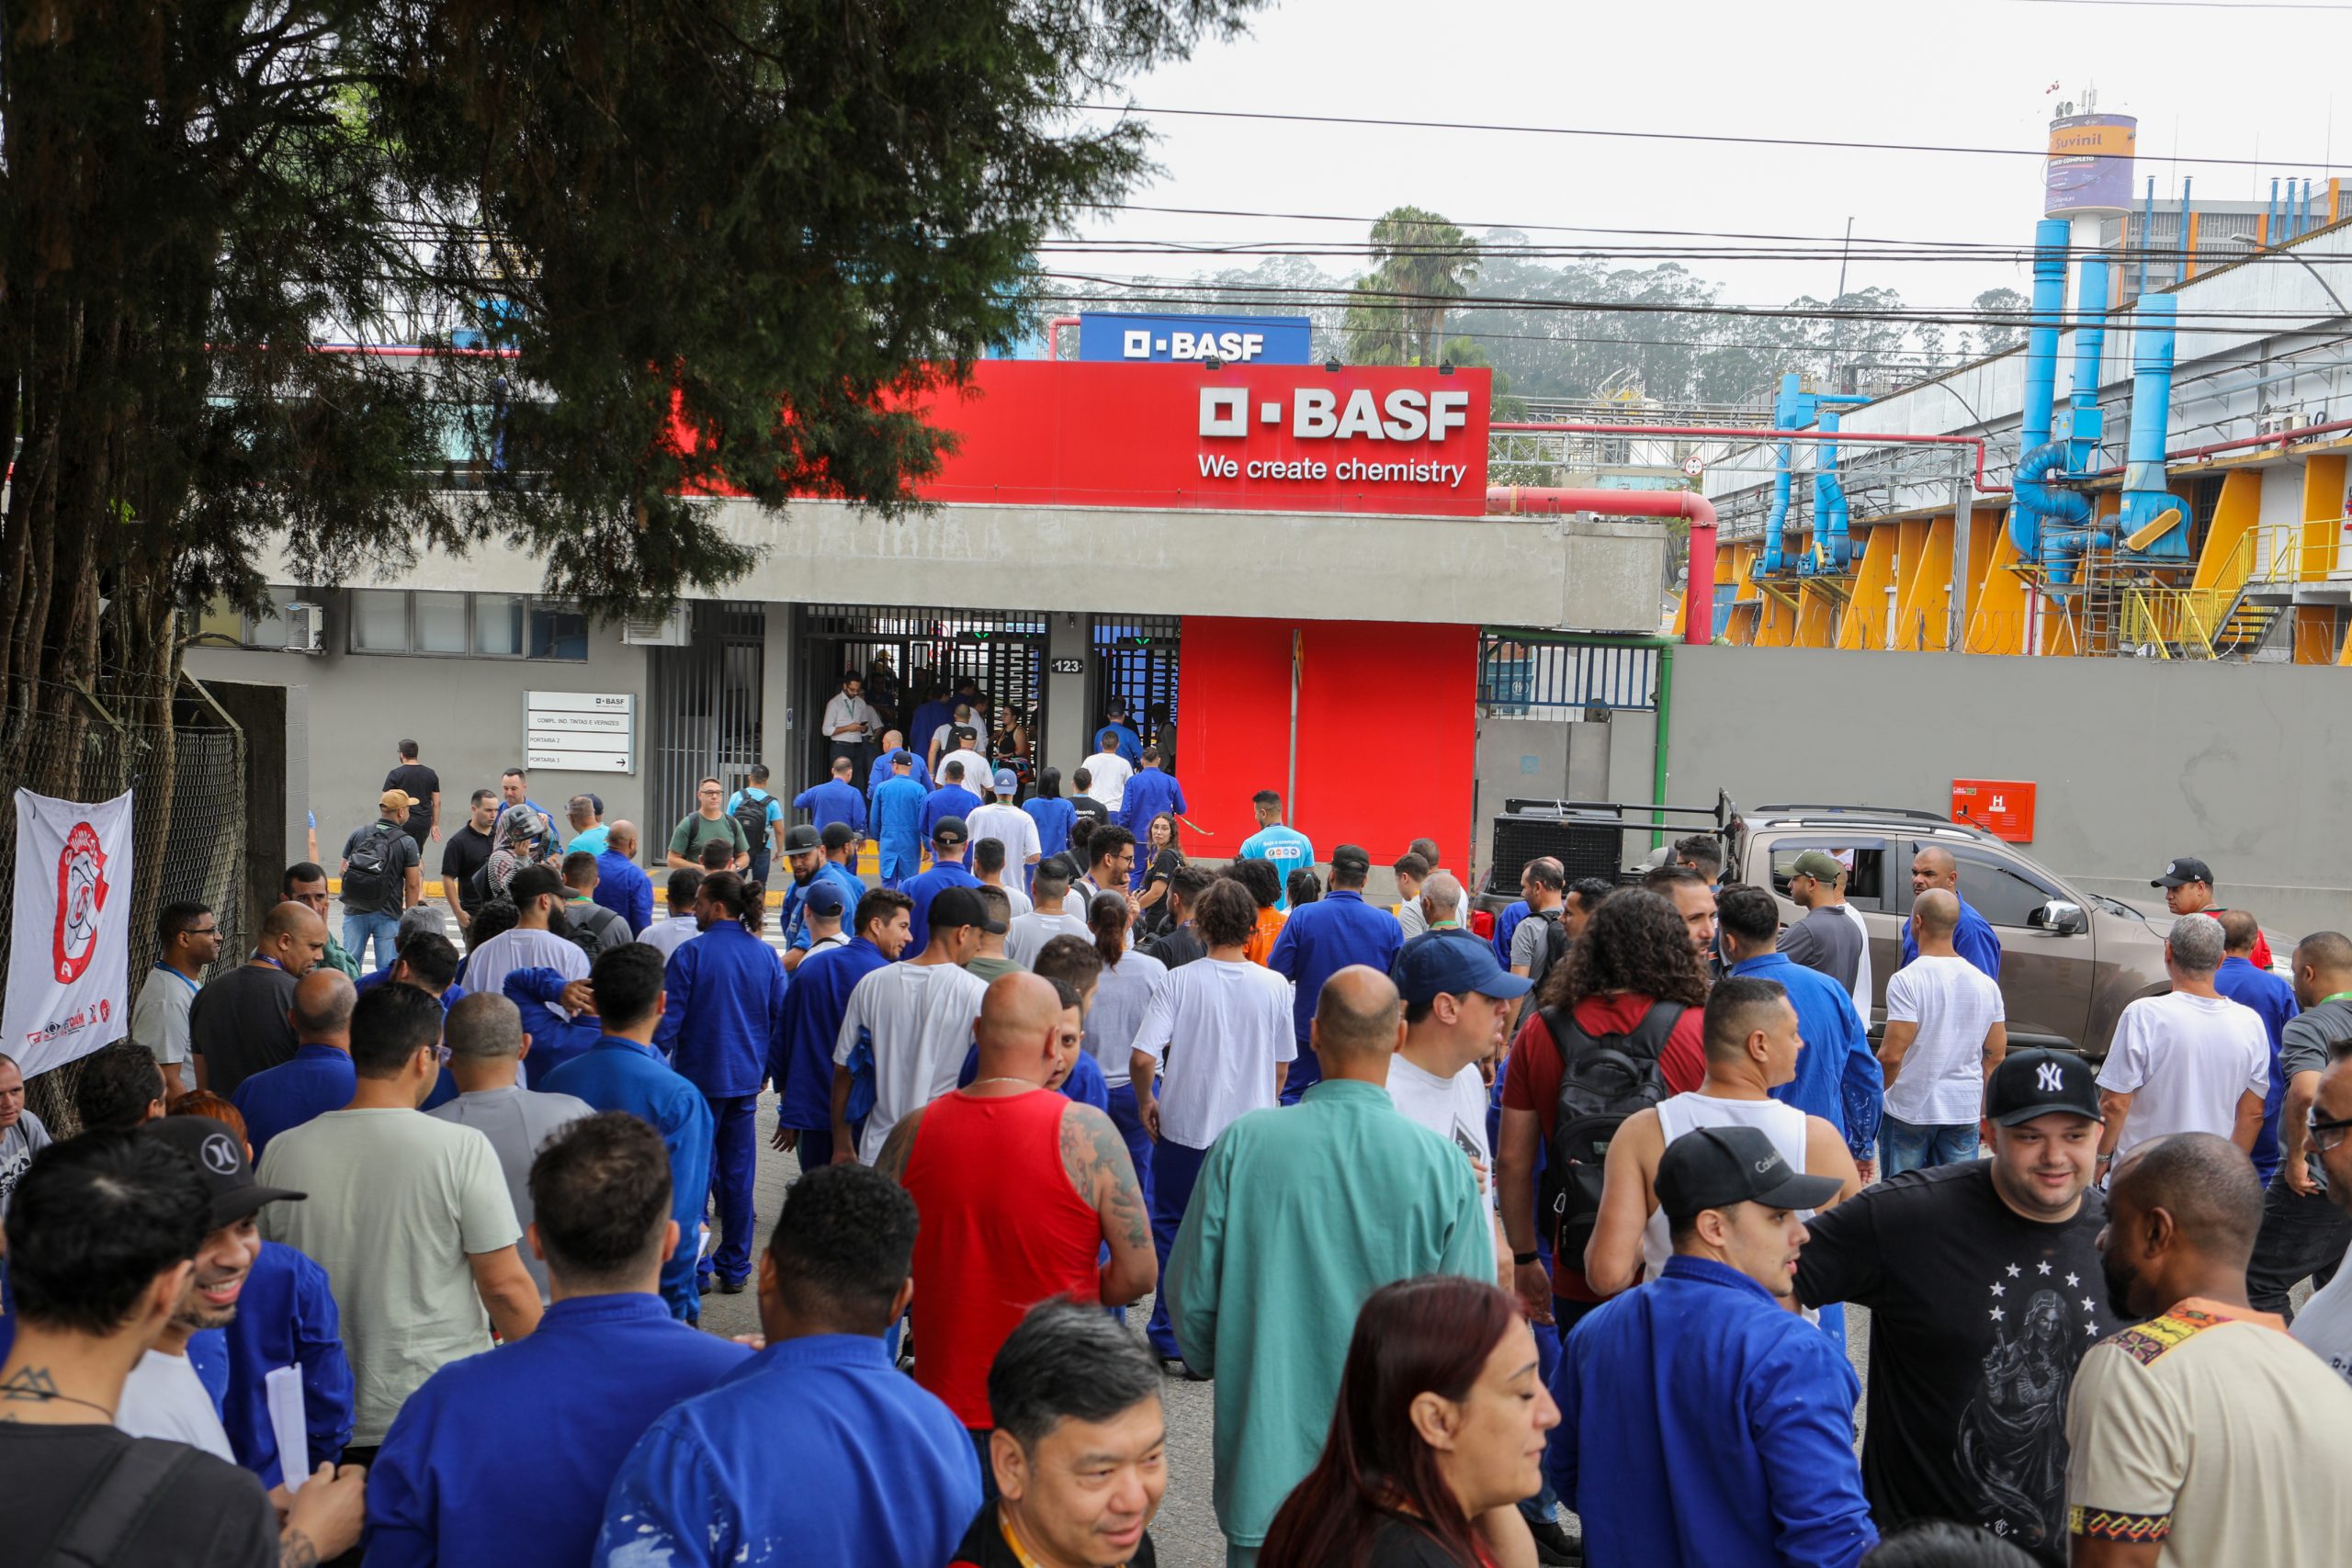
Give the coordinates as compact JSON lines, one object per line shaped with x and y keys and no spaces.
{"x":1135,"y":660}
{"x":907,"y":655}
{"x":702,"y":711}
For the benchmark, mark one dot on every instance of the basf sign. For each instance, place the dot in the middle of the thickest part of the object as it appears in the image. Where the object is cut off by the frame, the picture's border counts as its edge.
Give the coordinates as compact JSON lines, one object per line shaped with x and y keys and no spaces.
{"x":1276,"y":439}
{"x":1191,"y":340}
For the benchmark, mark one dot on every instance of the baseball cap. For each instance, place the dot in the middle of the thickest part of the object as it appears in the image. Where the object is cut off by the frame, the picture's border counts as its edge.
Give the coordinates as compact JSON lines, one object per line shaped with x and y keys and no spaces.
{"x":1006,"y":780}
{"x":2033,"y":1083}
{"x":802,"y":839}
{"x":837,"y":836}
{"x":534,"y":882}
{"x":1352,"y":857}
{"x":397,"y":801}
{"x":1714,"y":1168}
{"x":1819,"y":865}
{"x":902,"y":759}
{"x":2185,"y":870}
{"x":950,"y":830}
{"x":825,"y":898}
{"x":1456,"y":963}
{"x":220,"y":1154}
{"x":960,"y":907}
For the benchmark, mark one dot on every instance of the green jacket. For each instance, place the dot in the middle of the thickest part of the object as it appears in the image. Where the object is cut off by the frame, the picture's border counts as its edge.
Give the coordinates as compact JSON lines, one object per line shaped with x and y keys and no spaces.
{"x":1301,"y":1212}
{"x":339,"y":957}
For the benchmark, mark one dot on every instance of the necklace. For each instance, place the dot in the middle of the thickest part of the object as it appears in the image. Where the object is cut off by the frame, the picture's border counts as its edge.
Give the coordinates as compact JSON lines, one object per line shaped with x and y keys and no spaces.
{"x":978,"y":1082}
{"x":45,"y":1395}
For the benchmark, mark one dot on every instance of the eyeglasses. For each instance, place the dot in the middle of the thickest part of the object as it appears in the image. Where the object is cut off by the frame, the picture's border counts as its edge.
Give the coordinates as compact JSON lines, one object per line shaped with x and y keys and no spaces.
{"x":440,"y":1053}
{"x":203,"y":931}
{"x":2327,"y":1133}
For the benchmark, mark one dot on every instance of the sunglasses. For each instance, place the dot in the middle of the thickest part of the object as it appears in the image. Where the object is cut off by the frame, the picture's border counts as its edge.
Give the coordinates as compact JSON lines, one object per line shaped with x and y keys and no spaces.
{"x":2327,"y":1133}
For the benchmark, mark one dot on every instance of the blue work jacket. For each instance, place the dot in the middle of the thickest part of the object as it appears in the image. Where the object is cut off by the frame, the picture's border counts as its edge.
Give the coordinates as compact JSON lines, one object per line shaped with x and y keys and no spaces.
{"x":553,"y":1043}
{"x":625,"y":889}
{"x":1838,"y":1078}
{"x":1149,"y":793}
{"x":1317,"y":942}
{"x":621,"y":1075}
{"x":832,"y":802}
{"x":792,"y":916}
{"x":919,"y":770}
{"x":1054,"y":818}
{"x":2273,"y":999}
{"x":947,"y":800}
{"x":922,"y":890}
{"x":725,"y":1010}
{"x":285,"y":1317}
{"x":277,"y":1099}
{"x":899,"y":806}
{"x":813,"y":1007}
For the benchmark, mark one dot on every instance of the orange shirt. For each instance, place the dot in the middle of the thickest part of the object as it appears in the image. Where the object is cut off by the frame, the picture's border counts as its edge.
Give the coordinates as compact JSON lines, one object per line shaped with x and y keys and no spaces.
{"x":1260,"y":944}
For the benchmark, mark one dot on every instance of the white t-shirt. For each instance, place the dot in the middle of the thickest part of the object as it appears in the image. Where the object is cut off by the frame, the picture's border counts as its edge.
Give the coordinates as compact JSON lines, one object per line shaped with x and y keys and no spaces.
{"x":399,"y":1200}
{"x":670,"y":935}
{"x":1110,"y":772}
{"x":918,"y":1018}
{"x":1121,"y":999}
{"x":1026,"y":936}
{"x":1017,"y":899}
{"x":1229,"y":1023}
{"x":2325,"y":1326}
{"x":163,"y":1397}
{"x":1455,"y":1109}
{"x":1862,"y":992}
{"x":488,"y":966}
{"x":159,"y":1018}
{"x":976,"y":775}
{"x":1680,"y":1113}
{"x":2185,"y":1060}
{"x":1010,"y":826}
{"x":1941,"y":1081}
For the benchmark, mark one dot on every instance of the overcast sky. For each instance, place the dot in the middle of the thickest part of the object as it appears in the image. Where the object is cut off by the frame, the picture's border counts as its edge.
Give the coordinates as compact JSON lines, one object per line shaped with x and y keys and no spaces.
{"x":2239,"y":82}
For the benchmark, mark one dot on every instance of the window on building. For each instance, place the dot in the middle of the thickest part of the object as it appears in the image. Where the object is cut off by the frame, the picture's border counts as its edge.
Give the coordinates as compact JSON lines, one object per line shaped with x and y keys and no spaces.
{"x":491,"y":626}
{"x":558,"y":631}
{"x":378,"y":620}
{"x":439,"y":621}
{"x":498,"y":625}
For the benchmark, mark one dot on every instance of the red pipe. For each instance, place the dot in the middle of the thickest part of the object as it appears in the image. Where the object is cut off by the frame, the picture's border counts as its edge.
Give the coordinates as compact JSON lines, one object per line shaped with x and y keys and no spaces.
{"x":2278,"y":438}
{"x":1752,"y":432}
{"x":1054,"y":334}
{"x":1697,"y":603}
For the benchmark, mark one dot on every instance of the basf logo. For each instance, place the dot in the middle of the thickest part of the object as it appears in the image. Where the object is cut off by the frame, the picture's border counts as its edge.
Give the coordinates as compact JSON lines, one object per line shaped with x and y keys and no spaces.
{"x":1191,"y":340}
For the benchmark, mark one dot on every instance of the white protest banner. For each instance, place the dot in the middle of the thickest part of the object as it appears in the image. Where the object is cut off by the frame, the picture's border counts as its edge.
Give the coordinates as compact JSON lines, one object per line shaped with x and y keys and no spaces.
{"x":69,"y":964}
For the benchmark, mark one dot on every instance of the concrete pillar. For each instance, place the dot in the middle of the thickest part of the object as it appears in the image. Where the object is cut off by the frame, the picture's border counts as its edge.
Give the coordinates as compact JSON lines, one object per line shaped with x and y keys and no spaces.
{"x":1067,"y":718}
{"x":781,"y":729}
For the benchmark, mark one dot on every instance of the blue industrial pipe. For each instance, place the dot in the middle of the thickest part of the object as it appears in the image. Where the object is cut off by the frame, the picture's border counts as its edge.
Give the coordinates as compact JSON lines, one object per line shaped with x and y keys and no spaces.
{"x":1829,"y":509}
{"x":2041,"y":367}
{"x":2147,"y":504}
{"x":1785,"y":416}
{"x":2078,"y":439}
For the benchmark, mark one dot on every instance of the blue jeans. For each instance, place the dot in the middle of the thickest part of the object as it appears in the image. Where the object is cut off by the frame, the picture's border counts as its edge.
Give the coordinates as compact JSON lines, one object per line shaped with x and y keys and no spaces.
{"x":758,"y":870}
{"x":1304,"y":1074}
{"x":1126,"y":1118}
{"x":1910,"y":1145}
{"x":1175,"y":1169}
{"x":734,"y":1161}
{"x":358,"y":926}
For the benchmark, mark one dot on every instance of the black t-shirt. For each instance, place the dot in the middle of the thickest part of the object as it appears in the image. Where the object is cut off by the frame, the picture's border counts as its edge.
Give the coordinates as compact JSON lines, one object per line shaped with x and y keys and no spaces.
{"x":984,"y":1546}
{"x":1401,"y":1544}
{"x":237,"y":1024}
{"x":1086,"y":806}
{"x":210,"y":1515}
{"x":1176,"y":948}
{"x":466,"y":851}
{"x":1978,"y":1319}
{"x":422,"y":784}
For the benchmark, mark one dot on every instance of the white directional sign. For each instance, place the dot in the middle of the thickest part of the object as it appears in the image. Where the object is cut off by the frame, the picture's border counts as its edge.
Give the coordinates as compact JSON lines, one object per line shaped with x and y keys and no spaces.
{"x":582,"y":732}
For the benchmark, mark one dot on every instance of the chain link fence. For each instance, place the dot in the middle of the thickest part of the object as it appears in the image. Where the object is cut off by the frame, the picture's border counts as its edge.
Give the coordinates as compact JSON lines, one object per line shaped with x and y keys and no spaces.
{"x":189,"y":846}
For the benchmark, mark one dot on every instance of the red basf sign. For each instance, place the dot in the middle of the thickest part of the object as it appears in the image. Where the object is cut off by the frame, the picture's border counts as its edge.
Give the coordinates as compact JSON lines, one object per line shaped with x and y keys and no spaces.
{"x":2003,"y":808}
{"x":1261,"y":437}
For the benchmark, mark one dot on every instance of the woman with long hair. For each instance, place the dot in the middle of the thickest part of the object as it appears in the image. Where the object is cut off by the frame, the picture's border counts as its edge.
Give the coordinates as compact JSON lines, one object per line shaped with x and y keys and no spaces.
{"x":1156,"y":858}
{"x":1130,"y":979}
{"x":1635,"y":945}
{"x":1438,"y":1433}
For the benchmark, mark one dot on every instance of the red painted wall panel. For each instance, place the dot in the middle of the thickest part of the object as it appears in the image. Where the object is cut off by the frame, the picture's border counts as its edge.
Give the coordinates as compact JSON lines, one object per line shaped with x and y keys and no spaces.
{"x":1388,"y":732}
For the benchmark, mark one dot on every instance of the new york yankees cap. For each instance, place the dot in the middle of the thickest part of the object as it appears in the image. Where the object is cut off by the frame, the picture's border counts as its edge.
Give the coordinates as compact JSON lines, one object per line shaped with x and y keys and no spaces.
{"x":2033,"y":1083}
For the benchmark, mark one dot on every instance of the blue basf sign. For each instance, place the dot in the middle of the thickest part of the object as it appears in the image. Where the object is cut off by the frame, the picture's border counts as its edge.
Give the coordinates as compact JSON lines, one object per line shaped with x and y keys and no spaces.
{"x":1162,"y":340}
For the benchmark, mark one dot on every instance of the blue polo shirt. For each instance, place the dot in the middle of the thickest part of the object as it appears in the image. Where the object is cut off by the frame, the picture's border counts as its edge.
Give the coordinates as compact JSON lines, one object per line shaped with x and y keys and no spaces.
{"x":1289,"y":849}
{"x":2274,"y":999}
{"x":1053,"y":817}
{"x":1973,"y":939}
{"x":591,"y":839}
{"x":285,"y":1317}
{"x":899,"y":806}
{"x":922,"y":890}
{"x":725,"y":1010}
{"x":814,"y":1005}
{"x":1838,"y":1078}
{"x":792,"y":916}
{"x":1149,"y":793}
{"x":832,"y":802}
{"x":1317,"y":942}
{"x":817,"y":1450}
{"x":947,"y":800}
{"x":1705,"y":1426}
{"x":625,"y":890}
{"x":621,"y":1075}
{"x":917,"y":770}
{"x":320,"y":1079}
{"x":453,"y":1487}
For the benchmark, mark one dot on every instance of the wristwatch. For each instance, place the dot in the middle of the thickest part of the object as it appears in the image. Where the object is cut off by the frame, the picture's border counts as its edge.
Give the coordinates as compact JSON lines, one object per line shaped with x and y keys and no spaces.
{"x":1521,"y":1259}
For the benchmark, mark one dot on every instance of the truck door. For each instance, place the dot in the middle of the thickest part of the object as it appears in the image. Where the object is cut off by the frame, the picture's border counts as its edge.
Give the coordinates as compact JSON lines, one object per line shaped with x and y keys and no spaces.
{"x":2046,"y":977}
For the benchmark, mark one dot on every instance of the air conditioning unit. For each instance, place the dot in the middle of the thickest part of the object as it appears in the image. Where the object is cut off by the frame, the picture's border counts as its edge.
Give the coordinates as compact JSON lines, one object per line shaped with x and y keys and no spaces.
{"x":647,"y":631}
{"x":2281,"y":424}
{"x":306,"y":626}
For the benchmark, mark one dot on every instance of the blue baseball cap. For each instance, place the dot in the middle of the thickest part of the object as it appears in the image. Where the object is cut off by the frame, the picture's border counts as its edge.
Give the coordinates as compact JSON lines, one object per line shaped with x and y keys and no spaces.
{"x":1454,"y":964}
{"x":1007,"y":781}
{"x":825,"y":898}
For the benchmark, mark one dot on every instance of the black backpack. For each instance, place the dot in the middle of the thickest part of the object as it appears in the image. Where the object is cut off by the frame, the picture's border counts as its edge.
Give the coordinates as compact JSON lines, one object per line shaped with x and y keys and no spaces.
{"x":752,"y":816}
{"x":1555,"y":946}
{"x":589,"y":924}
{"x":368,"y":872}
{"x":1604,"y":1079}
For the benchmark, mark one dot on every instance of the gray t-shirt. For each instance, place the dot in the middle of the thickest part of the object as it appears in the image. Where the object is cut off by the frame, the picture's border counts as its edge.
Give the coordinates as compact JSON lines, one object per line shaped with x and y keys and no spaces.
{"x":18,"y":1142}
{"x":517,"y":1122}
{"x":2312,"y":1039}
{"x":1829,"y":941}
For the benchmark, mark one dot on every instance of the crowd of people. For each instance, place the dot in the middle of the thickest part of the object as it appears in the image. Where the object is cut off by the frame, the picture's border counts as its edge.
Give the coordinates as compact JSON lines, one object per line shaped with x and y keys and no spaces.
{"x":1485,"y":1228}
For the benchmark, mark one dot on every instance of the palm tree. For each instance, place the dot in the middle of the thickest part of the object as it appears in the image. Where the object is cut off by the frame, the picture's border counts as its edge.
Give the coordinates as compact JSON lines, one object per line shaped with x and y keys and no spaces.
{"x":1420,"y":263}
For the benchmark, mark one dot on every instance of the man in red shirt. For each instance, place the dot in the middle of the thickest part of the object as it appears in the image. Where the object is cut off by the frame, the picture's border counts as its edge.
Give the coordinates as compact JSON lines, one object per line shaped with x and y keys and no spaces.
{"x":1018,"y":1188}
{"x":1635,"y":954}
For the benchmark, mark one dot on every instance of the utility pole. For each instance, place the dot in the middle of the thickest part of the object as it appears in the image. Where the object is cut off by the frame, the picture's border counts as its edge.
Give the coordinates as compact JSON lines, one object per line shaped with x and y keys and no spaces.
{"x":1838,"y":327}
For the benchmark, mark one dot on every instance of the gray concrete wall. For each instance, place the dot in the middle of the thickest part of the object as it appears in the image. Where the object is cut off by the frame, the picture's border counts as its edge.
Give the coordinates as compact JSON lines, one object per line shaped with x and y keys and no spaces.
{"x":466,"y":715}
{"x":2248,"y":767}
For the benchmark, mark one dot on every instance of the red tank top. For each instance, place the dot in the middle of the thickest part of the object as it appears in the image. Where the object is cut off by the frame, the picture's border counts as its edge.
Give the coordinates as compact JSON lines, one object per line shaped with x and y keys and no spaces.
{"x":1001,"y":1231}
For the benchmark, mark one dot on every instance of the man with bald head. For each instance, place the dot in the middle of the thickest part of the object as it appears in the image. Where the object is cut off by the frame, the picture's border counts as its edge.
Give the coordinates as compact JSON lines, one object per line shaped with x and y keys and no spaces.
{"x":2203,"y":1434}
{"x":621,"y":885}
{"x":1299,"y":1214}
{"x":1441,"y":902}
{"x":1018,"y":1188}
{"x":237,"y":1025}
{"x":318,"y":1077}
{"x":1973,"y":938}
